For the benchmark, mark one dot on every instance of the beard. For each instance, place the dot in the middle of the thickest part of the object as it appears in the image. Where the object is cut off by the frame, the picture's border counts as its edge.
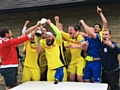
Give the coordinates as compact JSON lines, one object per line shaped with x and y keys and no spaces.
{"x":50,"y":42}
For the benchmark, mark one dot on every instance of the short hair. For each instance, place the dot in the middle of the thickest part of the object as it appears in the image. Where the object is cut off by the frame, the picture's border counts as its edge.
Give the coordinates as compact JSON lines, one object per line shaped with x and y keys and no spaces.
{"x":76,"y":27}
{"x":98,"y":25}
{"x":108,"y":31}
{"x":45,"y":28}
{"x":3,"y":31}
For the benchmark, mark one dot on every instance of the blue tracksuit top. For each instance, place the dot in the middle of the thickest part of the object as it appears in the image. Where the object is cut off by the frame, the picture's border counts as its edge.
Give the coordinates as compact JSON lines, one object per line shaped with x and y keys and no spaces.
{"x":94,"y":46}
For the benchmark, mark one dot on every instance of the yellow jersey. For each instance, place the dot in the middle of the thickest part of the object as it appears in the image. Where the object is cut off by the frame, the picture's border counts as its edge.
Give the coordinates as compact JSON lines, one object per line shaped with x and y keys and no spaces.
{"x":31,"y":59}
{"x":52,"y":54}
{"x":75,"y":53}
{"x":101,"y":32}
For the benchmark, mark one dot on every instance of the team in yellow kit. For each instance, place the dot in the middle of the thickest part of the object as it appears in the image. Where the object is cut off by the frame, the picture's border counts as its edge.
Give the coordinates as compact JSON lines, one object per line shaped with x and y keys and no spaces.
{"x":72,"y":56}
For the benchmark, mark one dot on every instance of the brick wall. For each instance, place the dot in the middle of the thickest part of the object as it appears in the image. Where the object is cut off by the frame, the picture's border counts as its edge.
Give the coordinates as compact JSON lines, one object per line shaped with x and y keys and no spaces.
{"x":67,"y":17}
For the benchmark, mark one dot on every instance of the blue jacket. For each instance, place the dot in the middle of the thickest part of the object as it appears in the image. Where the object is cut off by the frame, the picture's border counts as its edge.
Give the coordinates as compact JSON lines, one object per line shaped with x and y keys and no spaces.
{"x":94,"y":46}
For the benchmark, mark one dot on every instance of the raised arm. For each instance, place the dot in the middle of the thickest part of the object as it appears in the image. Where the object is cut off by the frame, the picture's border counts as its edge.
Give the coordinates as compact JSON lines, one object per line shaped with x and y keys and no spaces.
{"x":60,"y":27}
{"x":55,"y":29}
{"x":104,"y":20}
{"x":57,"y":32}
{"x":32,"y":28}
{"x":25,"y":27}
{"x":58,"y":24}
{"x":89,"y":30}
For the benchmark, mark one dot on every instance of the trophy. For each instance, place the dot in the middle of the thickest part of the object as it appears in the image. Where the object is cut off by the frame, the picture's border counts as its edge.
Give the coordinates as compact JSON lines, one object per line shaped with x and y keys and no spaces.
{"x":38,"y":33}
{"x":43,"y":21}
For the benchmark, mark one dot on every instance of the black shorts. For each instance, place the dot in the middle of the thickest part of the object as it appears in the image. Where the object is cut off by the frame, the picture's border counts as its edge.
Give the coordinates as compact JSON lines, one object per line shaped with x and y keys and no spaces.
{"x":10,"y":75}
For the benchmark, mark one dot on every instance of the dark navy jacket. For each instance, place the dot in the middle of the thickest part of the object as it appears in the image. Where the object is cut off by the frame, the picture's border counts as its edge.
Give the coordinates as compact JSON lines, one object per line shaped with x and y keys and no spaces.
{"x":109,"y":57}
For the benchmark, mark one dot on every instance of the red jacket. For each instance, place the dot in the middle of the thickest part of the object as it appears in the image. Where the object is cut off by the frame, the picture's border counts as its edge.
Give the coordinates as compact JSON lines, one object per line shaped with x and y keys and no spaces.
{"x":8,"y":51}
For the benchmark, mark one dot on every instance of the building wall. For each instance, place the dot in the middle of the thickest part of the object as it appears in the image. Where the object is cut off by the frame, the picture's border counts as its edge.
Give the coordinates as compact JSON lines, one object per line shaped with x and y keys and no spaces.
{"x":67,"y":16}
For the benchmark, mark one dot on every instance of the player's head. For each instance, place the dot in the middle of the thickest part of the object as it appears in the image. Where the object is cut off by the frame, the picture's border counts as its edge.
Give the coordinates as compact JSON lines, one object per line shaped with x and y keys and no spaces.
{"x":5,"y":32}
{"x":77,"y":28}
{"x":49,"y":38}
{"x":97,"y":27}
{"x":44,"y":30}
{"x":72,"y":30}
{"x":32,"y":39}
{"x":106,"y":34}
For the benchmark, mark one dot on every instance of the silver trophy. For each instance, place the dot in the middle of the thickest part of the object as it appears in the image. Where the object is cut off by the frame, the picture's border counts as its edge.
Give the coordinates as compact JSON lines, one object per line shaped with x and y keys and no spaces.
{"x":43,"y":21}
{"x":38,"y":33}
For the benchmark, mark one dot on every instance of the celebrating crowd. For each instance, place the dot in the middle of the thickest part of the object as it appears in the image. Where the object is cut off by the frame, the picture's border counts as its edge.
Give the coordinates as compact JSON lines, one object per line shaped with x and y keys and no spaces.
{"x":74,"y":55}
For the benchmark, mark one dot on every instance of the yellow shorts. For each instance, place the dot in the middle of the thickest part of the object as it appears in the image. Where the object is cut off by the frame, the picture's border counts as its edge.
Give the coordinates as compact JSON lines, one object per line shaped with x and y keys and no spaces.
{"x":77,"y":68}
{"x":51,"y":73}
{"x":31,"y":74}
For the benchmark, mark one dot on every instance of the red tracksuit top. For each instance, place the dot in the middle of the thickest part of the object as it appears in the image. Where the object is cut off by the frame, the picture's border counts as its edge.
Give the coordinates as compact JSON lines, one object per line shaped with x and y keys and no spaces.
{"x":8,"y":51}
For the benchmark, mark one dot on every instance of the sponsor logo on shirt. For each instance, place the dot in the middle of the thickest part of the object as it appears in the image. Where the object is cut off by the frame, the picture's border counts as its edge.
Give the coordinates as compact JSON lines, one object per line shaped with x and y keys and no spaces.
{"x":74,"y":42}
{"x":49,"y":47}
